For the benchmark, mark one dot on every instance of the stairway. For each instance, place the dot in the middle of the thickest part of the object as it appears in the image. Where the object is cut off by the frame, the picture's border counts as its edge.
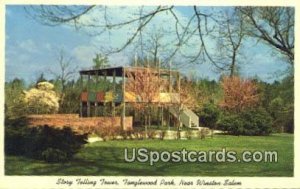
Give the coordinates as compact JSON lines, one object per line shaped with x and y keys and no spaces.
{"x":187,"y":117}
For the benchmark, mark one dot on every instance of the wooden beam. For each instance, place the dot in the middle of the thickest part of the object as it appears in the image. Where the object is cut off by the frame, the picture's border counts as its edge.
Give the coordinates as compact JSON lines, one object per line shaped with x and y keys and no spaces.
{"x":88,"y":109}
{"x":114,"y":94}
{"x":80,"y":104}
{"x":88,"y":84}
{"x":80,"y":109}
{"x":88,"y":102}
{"x":123,"y":101}
{"x":96,"y":108}
{"x":170,"y":88}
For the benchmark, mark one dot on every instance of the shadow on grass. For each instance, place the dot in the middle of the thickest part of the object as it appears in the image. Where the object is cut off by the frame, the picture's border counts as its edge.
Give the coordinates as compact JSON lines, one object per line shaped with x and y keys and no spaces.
{"x":93,"y":161}
{"x":107,"y":158}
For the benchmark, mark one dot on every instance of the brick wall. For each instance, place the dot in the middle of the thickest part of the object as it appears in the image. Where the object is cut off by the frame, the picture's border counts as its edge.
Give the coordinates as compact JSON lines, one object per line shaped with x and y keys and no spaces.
{"x":76,"y":122}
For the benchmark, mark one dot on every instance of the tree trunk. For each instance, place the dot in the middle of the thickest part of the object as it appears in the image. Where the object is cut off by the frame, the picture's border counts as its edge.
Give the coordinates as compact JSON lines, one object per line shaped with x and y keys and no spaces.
{"x":232,"y":67}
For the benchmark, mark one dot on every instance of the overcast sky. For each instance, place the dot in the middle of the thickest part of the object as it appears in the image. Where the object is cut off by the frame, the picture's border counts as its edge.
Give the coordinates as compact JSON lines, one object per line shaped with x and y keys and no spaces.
{"x":31,"y":48}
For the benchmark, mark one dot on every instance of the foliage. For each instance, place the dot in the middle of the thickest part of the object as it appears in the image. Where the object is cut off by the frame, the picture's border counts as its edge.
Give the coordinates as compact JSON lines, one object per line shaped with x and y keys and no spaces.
{"x":187,"y":100}
{"x":42,"y":99}
{"x":238,"y":94}
{"x":248,"y":122}
{"x":43,"y":143}
{"x":209,"y":115}
{"x":283,"y":115}
{"x":54,"y":155}
{"x":70,"y":98}
{"x":208,"y":91}
{"x":100,"y":61}
{"x":108,"y":131}
{"x":145,"y":84}
{"x":278,"y":99}
{"x":15,"y":106}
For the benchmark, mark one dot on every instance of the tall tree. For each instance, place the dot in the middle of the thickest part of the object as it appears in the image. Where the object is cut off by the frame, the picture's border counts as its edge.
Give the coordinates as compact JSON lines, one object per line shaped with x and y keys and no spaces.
{"x":239,"y":94}
{"x":186,"y":32}
{"x":14,"y":99}
{"x":66,"y":69}
{"x":191,"y":34}
{"x":272,"y":25}
{"x":230,"y":37}
{"x":144,"y":85}
{"x":100,"y":61}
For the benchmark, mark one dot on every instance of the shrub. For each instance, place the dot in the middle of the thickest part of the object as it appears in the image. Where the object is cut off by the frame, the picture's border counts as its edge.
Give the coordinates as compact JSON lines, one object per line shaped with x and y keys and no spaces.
{"x":239,"y":94}
{"x":283,"y":115}
{"x":209,"y":115}
{"x":108,"y":132}
{"x":248,"y":122}
{"x":42,"y":99}
{"x":54,"y":155}
{"x":43,"y":143}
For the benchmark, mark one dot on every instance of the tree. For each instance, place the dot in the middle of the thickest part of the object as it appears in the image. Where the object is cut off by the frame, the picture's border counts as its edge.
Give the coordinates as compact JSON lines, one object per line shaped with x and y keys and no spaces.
{"x":188,"y":32}
{"x":187,"y":100}
{"x":272,"y":25}
{"x":239,"y":94}
{"x":42,"y":99}
{"x":152,"y":46}
{"x":100,"y":61}
{"x":66,"y":69}
{"x":192,"y":34}
{"x":209,"y":115}
{"x":69,"y":104}
{"x":230,"y":36}
{"x":14,"y":99}
{"x":41,"y":78}
{"x":247,"y":122}
{"x":144,"y":84}
{"x":64,"y":74}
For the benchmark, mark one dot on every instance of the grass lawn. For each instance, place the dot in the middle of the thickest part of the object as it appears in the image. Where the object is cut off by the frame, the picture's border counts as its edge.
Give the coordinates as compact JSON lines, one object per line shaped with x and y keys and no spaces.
{"x":107,"y":158}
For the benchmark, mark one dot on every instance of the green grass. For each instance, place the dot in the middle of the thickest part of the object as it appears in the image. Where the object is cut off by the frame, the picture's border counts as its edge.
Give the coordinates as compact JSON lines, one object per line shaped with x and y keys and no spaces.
{"x":107,"y":158}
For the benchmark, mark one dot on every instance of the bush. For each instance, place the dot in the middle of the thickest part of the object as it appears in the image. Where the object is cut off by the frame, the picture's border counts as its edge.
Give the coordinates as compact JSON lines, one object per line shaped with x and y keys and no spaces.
{"x":283,"y":115}
{"x":54,"y":155}
{"x":248,"y":122}
{"x":209,"y":115}
{"x":42,"y":99}
{"x":108,"y":132}
{"x":43,"y":143}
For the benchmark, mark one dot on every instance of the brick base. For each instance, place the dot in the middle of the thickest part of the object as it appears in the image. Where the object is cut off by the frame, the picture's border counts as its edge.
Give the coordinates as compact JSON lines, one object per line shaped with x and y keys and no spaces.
{"x":77,"y":123}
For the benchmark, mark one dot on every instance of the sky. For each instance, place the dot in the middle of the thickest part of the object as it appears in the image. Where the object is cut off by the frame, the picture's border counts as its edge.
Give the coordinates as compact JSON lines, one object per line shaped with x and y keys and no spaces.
{"x":31,"y":48}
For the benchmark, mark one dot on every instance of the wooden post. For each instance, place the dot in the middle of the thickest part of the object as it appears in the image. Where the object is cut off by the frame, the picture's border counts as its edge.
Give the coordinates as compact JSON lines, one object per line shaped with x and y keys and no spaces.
{"x":97,"y":85}
{"x":162,"y":116}
{"x":96,"y":107}
{"x":169,"y":117}
{"x":97,"y":81}
{"x":105,"y":75}
{"x":162,"y":108}
{"x":104,"y":104}
{"x":123,"y":101}
{"x":88,"y":109}
{"x":114,"y":93}
{"x":170,"y":89}
{"x":88,"y":84}
{"x":88,"y":101}
{"x":80,"y":104}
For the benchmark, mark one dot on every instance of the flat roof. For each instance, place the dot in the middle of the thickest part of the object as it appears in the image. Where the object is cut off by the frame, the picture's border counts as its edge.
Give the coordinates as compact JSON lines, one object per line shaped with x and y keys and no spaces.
{"x":120,"y":69}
